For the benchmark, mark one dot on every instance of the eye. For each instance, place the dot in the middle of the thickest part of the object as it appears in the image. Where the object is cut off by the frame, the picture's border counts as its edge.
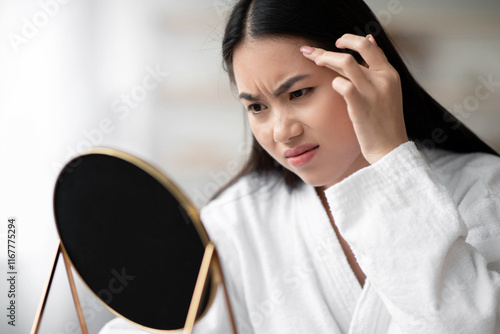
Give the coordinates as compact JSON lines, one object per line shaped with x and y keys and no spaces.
{"x":256,"y":108}
{"x":299,"y":93}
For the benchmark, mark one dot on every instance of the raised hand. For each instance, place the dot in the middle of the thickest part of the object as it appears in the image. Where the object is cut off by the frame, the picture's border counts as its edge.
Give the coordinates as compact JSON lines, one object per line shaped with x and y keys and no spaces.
{"x":372,"y":92}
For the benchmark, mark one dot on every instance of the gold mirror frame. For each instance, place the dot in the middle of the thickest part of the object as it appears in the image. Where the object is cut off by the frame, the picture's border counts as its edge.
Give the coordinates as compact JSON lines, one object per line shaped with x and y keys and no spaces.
{"x":210,"y":264}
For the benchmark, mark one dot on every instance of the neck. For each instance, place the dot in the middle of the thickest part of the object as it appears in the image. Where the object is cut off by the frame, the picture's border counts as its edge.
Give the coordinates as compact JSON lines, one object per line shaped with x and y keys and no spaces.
{"x":359,"y":163}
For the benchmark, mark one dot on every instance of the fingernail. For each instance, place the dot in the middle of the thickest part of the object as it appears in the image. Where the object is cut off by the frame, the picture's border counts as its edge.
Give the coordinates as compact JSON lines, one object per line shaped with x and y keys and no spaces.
{"x":306,"y":50}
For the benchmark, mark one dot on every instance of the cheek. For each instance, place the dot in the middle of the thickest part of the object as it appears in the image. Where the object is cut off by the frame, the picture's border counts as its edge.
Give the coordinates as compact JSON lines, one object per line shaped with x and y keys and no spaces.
{"x":262,"y":133}
{"x":332,"y":116}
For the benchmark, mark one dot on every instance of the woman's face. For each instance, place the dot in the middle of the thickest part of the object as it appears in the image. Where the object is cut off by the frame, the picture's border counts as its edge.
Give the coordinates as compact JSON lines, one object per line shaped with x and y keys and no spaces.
{"x":293,"y":111}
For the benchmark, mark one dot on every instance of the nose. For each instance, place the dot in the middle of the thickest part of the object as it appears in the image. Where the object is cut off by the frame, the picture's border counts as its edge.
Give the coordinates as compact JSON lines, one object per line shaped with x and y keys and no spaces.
{"x":286,"y":127}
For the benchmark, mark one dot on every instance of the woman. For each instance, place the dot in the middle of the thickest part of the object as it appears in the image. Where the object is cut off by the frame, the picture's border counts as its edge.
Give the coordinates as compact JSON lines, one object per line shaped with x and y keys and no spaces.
{"x":365,"y":207}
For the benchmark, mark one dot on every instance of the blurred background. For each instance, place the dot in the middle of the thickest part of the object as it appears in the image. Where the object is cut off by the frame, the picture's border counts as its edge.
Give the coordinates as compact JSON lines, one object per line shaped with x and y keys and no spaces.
{"x":146,"y":77}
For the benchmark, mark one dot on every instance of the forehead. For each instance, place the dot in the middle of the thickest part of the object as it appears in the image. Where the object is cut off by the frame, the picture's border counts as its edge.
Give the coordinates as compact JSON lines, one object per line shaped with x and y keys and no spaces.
{"x":268,"y":61}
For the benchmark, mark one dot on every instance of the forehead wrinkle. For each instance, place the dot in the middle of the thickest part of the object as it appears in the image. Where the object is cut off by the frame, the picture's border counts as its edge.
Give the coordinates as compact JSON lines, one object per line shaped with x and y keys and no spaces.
{"x":278,"y":91}
{"x":289,"y":83}
{"x":248,"y":60}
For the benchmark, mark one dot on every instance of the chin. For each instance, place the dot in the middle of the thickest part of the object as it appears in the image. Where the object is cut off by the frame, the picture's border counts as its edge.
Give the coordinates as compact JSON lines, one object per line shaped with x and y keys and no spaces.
{"x":317,"y":182}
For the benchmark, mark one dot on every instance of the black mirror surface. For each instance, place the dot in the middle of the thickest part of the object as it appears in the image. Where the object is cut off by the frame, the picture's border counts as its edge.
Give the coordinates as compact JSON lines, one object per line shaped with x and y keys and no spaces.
{"x":132,"y":237}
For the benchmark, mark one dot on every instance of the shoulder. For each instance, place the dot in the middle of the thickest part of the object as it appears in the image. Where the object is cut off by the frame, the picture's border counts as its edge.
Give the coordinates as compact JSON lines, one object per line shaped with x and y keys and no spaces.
{"x":247,"y":188}
{"x":248,"y":201}
{"x":242,"y":220}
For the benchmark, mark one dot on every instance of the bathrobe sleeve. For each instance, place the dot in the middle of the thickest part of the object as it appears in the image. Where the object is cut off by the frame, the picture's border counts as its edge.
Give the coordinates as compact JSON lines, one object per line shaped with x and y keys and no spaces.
{"x":434,"y":271}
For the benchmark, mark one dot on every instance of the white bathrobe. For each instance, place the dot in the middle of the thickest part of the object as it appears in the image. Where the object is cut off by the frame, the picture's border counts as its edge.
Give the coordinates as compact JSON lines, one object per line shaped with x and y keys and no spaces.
{"x":424,"y":227}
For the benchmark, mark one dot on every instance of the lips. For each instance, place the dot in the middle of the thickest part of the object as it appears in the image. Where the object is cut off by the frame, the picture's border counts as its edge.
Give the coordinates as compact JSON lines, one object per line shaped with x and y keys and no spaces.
{"x":301,"y":155}
{"x":299,"y":150}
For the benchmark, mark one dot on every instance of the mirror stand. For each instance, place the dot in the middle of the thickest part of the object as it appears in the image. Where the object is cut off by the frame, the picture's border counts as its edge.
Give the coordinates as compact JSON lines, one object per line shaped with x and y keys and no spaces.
{"x":210,"y":258}
{"x":78,"y":307}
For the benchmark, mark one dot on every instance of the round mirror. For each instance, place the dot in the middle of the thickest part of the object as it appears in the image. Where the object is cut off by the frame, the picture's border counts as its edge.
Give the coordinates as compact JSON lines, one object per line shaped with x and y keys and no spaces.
{"x":132,"y":236}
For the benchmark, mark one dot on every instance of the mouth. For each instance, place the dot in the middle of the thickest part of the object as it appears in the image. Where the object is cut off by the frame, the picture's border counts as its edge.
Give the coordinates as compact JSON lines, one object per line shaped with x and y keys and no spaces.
{"x":299,"y":150}
{"x":301,"y":155}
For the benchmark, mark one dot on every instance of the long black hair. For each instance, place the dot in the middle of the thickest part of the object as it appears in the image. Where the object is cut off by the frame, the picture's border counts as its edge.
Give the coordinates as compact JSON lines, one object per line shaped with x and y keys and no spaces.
{"x":322,"y":22}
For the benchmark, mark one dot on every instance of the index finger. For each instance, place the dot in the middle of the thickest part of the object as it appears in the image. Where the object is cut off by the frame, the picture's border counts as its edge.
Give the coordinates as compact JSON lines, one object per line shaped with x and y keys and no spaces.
{"x":342,"y":63}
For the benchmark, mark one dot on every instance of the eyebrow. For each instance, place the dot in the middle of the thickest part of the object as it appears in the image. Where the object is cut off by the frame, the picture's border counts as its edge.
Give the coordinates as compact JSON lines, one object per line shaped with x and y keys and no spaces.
{"x":280,"y":90}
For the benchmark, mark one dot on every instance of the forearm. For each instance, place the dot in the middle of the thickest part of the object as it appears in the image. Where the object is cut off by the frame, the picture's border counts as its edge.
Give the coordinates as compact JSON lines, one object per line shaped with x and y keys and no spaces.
{"x":409,"y":238}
